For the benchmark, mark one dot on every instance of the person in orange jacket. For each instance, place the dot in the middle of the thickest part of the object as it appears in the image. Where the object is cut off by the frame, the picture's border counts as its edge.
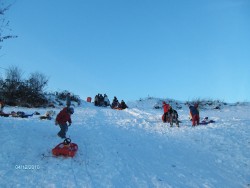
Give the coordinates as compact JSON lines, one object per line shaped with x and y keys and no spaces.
{"x":166,"y":114}
{"x":62,"y":118}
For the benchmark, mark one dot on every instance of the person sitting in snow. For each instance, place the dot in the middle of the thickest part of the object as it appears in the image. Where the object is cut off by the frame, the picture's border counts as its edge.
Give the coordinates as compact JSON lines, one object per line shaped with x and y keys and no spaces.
{"x":205,"y":121}
{"x":48,"y":115}
{"x":1,"y":106}
{"x":115,"y":103}
{"x":101,"y":100}
{"x":166,"y":115}
{"x":96,"y":101}
{"x":194,"y":112}
{"x":123,"y":105}
{"x":62,"y":118}
{"x":106,"y":100}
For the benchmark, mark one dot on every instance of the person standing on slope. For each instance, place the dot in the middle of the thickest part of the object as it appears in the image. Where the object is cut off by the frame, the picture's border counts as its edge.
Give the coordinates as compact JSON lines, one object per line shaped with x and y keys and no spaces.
{"x":166,"y":114}
{"x":68,"y":101}
{"x":195,"y":114}
{"x":62,"y":118}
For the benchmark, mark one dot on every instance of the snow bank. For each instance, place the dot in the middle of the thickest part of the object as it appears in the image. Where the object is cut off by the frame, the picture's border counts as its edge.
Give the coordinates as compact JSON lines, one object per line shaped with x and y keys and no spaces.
{"x":129,"y":148}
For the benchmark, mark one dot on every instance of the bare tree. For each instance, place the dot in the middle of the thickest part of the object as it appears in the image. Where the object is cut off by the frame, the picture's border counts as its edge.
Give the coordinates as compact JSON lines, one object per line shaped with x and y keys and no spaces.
{"x":12,"y":83}
{"x":37,"y":81}
{"x":4,"y":23}
{"x":14,"y":74}
{"x":23,"y":92}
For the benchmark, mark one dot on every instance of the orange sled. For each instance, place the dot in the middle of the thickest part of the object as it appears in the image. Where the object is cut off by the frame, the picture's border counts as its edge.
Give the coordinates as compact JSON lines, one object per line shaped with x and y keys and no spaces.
{"x":66,"y":149}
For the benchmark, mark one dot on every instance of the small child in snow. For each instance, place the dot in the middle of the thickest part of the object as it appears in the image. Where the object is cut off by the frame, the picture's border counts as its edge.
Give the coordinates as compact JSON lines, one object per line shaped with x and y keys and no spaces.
{"x":194,"y":112}
{"x":62,"y":118}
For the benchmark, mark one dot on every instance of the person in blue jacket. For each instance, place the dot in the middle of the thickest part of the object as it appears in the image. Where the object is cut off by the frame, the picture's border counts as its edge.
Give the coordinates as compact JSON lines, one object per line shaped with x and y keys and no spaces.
{"x":194,"y":112}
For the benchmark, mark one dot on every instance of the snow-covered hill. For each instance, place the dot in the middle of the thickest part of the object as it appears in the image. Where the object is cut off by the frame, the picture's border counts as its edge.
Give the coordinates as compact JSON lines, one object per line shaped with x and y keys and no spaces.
{"x":129,"y":148}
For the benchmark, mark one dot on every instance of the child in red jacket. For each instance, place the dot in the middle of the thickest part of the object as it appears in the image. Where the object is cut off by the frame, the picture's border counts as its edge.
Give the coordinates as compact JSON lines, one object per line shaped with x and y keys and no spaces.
{"x":62,"y":118}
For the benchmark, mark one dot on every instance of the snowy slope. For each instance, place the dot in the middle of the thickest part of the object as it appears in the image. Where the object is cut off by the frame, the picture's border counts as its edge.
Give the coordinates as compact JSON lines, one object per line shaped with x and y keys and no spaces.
{"x":130,"y":148}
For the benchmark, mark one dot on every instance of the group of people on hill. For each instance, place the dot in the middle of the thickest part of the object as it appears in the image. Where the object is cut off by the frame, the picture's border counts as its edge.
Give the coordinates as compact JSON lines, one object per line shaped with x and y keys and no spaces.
{"x":101,"y":100}
{"x":118,"y":105}
{"x":171,"y":116}
{"x":63,"y":118}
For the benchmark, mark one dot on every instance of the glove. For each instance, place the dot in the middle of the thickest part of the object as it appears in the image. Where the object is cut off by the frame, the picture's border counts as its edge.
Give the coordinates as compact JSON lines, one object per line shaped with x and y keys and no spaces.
{"x":69,"y":124}
{"x":56,"y":122}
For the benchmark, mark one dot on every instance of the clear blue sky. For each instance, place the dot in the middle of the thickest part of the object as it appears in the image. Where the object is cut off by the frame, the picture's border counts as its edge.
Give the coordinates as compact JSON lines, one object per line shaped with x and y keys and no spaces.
{"x":134,"y":48}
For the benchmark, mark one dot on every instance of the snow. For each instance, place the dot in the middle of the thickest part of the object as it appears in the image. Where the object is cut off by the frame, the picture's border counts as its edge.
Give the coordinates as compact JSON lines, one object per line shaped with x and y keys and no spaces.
{"x":129,"y":148}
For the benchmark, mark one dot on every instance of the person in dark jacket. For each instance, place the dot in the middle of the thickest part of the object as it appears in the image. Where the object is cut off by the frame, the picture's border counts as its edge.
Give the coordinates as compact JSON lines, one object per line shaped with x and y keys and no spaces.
{"x":96,"y":101}
{"x":123,"y":105}
{"x":194,"y":112}
{"x":101,"y":100}
{"x":62,"y":118}
{"x":106,"y":100}
{"x":115,"y":103}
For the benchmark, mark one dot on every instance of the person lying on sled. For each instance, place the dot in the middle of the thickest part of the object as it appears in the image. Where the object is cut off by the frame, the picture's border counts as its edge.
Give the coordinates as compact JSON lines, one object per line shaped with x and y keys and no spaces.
{"x":205,"y":121}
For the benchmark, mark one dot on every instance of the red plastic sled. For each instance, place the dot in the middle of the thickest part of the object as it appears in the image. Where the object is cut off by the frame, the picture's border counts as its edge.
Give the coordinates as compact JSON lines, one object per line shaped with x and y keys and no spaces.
{"x":66,"y":149}
{"x":117,"y":108}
